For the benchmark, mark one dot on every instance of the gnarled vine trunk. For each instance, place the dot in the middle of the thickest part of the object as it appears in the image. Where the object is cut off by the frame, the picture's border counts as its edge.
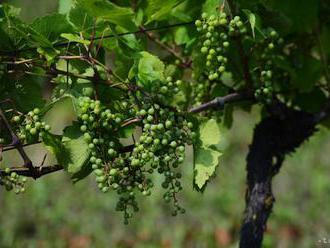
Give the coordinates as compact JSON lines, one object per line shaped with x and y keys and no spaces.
{"x":274,"y":137}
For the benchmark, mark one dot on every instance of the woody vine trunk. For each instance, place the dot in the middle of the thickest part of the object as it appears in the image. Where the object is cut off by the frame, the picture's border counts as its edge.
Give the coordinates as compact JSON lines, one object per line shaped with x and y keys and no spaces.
{"x":277,"y":135}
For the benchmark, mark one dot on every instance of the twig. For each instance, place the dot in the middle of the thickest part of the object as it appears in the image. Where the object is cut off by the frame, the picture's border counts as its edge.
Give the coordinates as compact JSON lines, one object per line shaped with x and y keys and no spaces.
{"x":219,"y":102}
{"x":36,"y":173}
{"x":162,"y":45}
{"x":60,"y":44}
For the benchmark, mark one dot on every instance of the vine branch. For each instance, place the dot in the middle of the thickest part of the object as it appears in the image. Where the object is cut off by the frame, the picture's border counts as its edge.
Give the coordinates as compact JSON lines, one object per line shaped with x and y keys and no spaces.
{"x":221,"y":101}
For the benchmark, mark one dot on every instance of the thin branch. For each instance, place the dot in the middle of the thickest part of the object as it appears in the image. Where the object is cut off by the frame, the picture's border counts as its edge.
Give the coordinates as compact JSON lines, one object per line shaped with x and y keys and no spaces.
{"x":36,"y":173}
{"x":170,"y":50}
{"x":61,"y":44}
{"x":221,"y":101}
{"x":16,"y":142}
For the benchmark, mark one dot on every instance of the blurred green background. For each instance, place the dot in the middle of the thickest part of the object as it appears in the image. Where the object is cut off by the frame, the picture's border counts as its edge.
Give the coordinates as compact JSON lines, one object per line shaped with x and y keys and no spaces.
{"x":55,"y":213}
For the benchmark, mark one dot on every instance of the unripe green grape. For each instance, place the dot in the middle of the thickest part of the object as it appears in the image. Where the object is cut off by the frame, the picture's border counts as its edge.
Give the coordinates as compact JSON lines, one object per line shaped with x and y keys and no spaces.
{"x":273,"y":33}
{"x":225,"y":44}
{"x":148,"y":140}
{"x":36,"y":111}
{"x":204,"y":50}
{"x":33,"y":131}
{"x":101,"y":179}
{"x":84,"y":117}
{"x":135,"y":162}
{"x":167,"y":158}
{"x":153,"y":127}
{"x":207,"y":43}
{"x":198,"y":23}
{"x":164,"y":141}
{"x":181,"y":148}
{"x":105,"y":189}
{"x":113,"y":172}
{"x":98,"y":172}
{"x":212,"y":51}
{"x":168,"y":124}
{"x":221,"y":69}
{"x":47,"y":127}
{"x":16,"y":118}
{"x":160,"y":126}
{"x":112,"y":152}
{"x":223,"y":21}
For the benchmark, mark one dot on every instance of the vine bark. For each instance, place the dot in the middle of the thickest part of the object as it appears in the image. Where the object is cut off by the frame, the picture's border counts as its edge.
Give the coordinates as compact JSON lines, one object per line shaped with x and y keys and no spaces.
{"x":274,"y":137}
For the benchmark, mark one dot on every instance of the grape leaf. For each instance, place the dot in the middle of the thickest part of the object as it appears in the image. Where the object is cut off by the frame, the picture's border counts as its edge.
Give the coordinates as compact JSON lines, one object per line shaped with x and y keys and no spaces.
{"x":211,"y":7}
{"x":209,"y":133}
{"x":206,"y":162}
{"x":75,"y":159}
{"x":52,"y":26}
{"x":206,"y":154}
{"x":150,"y":69}
{"x":110,"y":12}
{"x":159,"y":9}
{"x":75,"y":38}
{"x":64,"y":6}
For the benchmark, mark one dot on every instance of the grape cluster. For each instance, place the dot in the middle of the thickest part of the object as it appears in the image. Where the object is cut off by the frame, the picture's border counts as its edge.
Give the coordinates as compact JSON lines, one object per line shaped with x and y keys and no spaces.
{"x":215,"y":43}
{"x":166,"y":89}
{"x":265,"y":92}
{"x":160,"y":148}
{"x":30,"y":127}
{"x":216,"y":35}
{"x":13,"y":181}
{"x":268,"y":49}
{"x":220,"y":33}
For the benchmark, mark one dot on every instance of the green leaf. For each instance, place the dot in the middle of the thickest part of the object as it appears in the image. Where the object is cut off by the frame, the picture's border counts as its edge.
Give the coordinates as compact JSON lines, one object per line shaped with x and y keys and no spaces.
{"x":209,"y":132}
{"x":159,"y":9}
{"x":150,"y":69}
{"x":49,"y":53}
{"x":311,"y":101}
{"x":127,"y":132}
{"x":211,"y":7}
{"x":25,"y":90}
{"x":80,"y":19}
{"x":71,"y":152}
{"x":252,"y":20}
{"x":76,"y":155}
{"x":307,"y":74}
{"x":294,"y":10}
{"x":52,"y":26}
{"x":64,"y":6}
{"x":75,"y":38}
{"x":54,"y":144}
{"x":206,"y":153}
{"x":110,"y":12}
{"x":181,"y":36}
{"x":206,"y":162}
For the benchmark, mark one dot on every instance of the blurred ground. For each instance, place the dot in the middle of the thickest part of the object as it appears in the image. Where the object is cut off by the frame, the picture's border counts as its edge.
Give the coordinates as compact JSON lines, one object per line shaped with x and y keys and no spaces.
{"x":55,"y":213}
